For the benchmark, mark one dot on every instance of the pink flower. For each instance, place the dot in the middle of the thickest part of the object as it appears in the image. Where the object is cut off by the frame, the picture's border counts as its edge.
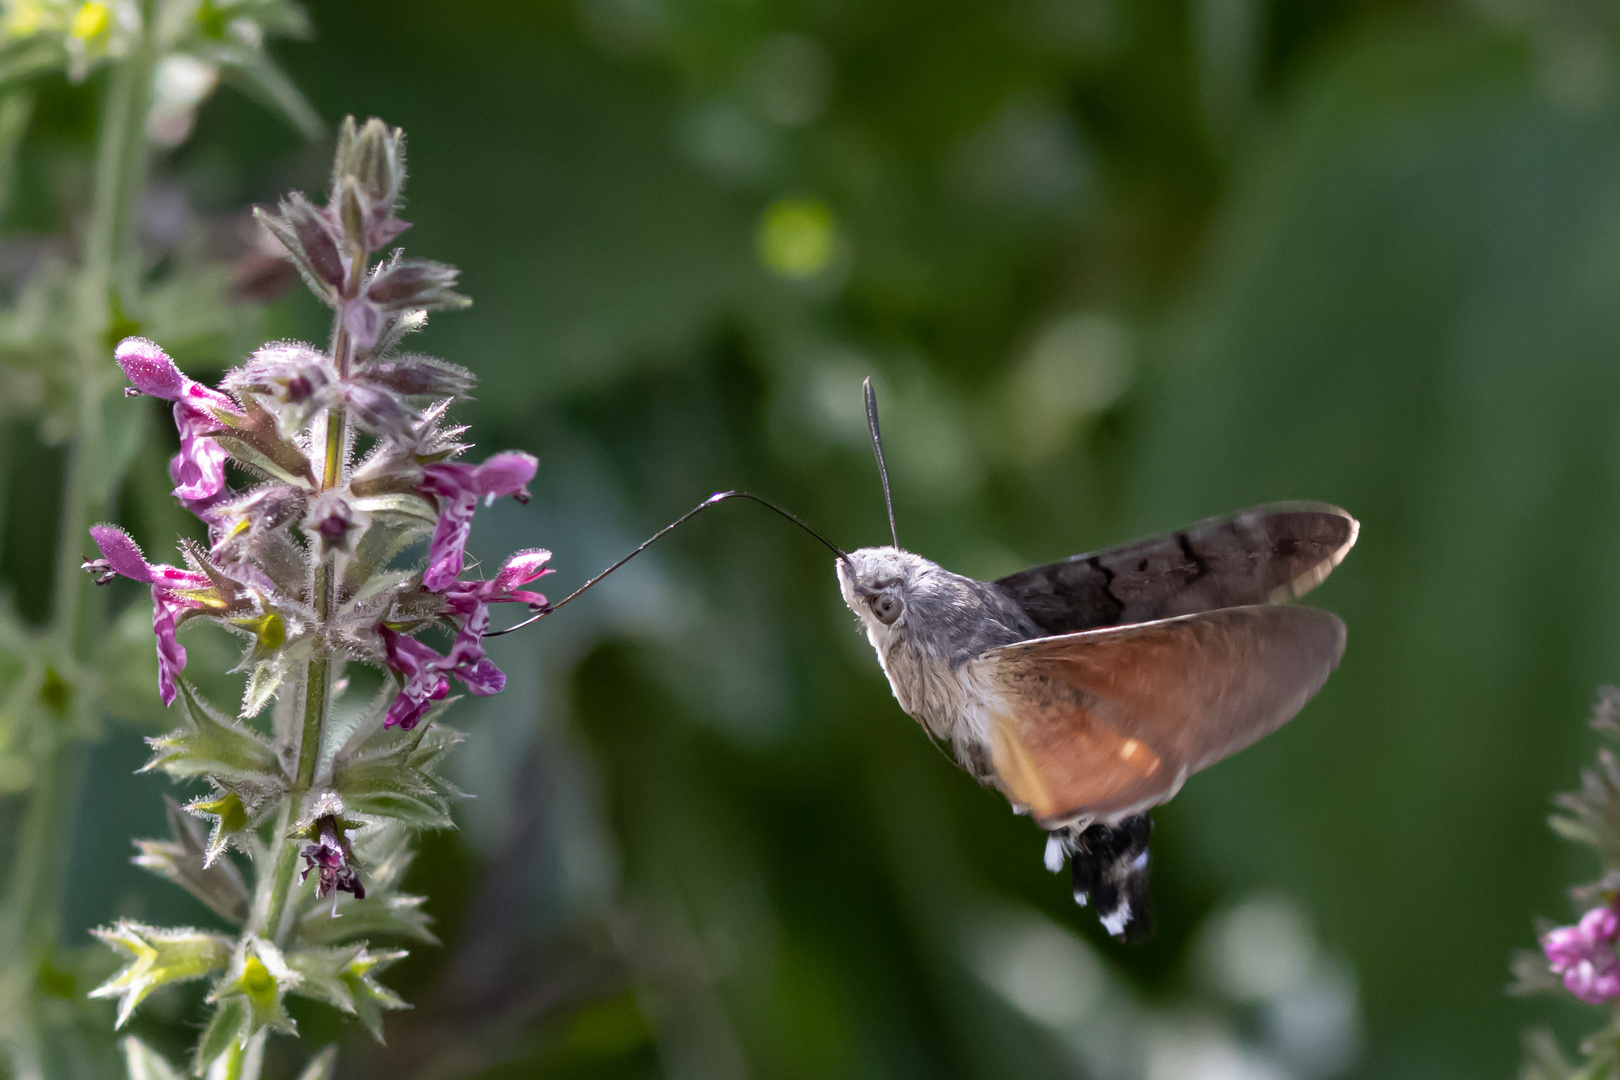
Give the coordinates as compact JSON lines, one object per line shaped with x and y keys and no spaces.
{"x":464,"y":597}
{"x":423,"y":682}
{"x":457,"y":488}
{"x":332,"y":860}
{"x":424,"y":672}
{"x":174,"y":591}
{"x":1584,"y":955}
{"x":198,"y":470}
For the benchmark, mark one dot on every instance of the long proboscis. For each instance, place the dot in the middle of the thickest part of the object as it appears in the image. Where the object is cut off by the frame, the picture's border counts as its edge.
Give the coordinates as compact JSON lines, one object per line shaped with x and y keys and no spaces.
{"x":713,"y":500}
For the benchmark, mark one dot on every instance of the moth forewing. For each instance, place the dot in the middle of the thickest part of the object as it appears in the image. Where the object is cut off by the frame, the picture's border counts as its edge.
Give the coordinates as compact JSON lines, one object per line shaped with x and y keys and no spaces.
{"x":1265,"y":554}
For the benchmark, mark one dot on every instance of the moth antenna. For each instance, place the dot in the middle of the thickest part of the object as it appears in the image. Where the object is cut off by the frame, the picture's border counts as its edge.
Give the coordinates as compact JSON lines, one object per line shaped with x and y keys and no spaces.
{"x":877,"y":448}
{"x":713,"y":500}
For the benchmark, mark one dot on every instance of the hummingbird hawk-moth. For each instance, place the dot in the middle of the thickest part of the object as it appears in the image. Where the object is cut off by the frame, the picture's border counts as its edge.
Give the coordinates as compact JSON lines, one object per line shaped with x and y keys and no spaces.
{"x":1088,"y":690}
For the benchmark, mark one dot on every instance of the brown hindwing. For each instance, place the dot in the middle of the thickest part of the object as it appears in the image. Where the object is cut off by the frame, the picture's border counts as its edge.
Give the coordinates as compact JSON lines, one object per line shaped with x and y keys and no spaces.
{"x":1109,"y":722}
{"x":1263,"y":555}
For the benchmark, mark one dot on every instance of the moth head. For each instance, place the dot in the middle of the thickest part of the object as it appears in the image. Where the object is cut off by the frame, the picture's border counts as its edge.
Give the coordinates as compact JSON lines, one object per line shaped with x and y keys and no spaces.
{"x":877,"y":584}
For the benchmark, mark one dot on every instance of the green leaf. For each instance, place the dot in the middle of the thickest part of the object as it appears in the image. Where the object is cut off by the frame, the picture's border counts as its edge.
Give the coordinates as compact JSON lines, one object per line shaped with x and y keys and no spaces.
{"x":211,"y":745}
{"x":185,"y":859}
{"x":157,"y":957}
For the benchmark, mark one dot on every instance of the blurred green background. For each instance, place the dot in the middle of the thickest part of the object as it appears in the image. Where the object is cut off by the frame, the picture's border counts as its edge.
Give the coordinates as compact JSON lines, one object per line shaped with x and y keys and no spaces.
{"x":1114,"y":265}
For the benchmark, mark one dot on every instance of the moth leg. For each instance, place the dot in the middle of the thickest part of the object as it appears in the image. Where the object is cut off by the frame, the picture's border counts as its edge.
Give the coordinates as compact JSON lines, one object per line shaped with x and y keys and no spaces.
{"x":1109,"y":866}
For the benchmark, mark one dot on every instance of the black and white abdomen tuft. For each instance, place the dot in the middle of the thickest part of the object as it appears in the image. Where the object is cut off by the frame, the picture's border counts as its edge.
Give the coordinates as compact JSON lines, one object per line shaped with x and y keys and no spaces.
{"x":1109,"y":864}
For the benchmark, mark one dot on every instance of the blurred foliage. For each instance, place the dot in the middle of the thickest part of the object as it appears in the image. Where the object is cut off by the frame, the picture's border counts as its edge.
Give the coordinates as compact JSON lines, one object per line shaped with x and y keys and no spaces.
{"x":1114,"y":266}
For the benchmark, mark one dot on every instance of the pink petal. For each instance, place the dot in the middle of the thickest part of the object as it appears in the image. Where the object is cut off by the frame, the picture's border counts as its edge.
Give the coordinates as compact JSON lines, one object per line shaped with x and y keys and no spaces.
{"x":448,"y":549}
{"x":521,"y":568}
{"x":171,"y":654}
{"x":506,"y":473}
{"x":1600,"y":925}
{"x":121,"y":552}
{"x":149,"y":368}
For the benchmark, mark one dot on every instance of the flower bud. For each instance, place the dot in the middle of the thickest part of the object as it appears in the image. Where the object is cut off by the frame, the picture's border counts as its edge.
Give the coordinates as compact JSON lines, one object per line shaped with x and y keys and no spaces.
{"x":350,"y":213}
{"x":334,"y":524}
{"x":416,"y":284}
{"x":306,"y":233}
{"x":373,"y":156}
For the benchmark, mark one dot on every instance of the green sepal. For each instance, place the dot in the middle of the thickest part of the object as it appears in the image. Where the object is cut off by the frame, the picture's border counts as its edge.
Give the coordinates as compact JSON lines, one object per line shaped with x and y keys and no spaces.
{"x":227,"y":1030}
{"x":157,"y":957}
{"x":372,"y":998}
{"x":1543,"y":1059}
{"x":252,"y":440}
{"x":233,"y":810}
{"x":212,"y":745}
{"x":392,"y":777}
{"x":259,"y":976}
{"x":189,"y":858}
{"x":347,"y":980}
{"x":397,"y":915}
{"x":262,"y":685}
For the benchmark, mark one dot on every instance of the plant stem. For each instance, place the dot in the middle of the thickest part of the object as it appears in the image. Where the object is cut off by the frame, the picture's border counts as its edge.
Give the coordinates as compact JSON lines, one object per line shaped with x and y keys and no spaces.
{"x":277,"y":886}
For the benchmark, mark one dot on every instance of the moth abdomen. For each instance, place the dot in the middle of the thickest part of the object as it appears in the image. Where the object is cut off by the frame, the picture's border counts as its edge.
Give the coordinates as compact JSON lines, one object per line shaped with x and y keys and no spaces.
{"x":1110,"y":868}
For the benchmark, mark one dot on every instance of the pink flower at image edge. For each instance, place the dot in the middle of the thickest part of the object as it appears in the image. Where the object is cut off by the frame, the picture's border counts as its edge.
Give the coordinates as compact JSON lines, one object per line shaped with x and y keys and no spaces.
{"x":1584,"y":955}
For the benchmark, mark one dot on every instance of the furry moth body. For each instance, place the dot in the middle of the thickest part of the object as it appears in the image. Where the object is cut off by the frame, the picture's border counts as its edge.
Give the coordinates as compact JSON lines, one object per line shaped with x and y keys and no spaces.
{"x":1088,"y":690}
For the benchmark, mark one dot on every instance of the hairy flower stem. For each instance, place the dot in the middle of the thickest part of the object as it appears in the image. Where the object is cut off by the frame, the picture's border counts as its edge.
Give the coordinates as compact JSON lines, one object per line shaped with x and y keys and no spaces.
{"x":303,"y":564}
{"x":317,"y":676}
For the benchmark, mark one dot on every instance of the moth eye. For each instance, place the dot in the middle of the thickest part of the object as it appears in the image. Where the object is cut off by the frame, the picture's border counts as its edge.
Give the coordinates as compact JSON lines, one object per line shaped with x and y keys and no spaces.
{"x":887,"y":607}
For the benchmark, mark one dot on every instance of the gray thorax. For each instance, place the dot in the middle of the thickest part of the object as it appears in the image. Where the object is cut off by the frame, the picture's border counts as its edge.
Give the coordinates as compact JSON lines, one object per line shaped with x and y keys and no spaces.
{"x":947,"y":621}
